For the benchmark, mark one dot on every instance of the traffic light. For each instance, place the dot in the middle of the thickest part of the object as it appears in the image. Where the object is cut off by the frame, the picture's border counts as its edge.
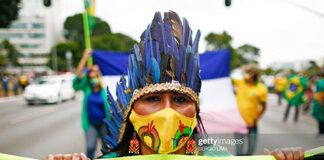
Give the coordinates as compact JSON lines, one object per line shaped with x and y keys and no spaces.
{"x":228,"y":3}
{"x":47,"y":3}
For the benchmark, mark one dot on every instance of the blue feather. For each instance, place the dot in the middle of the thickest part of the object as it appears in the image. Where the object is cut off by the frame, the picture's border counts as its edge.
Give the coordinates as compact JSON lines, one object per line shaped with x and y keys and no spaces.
{"x":185,"y":32}
{"x":120,"y":97}
{"x":147,"y":50}
{"x":168,"y":33}
{"x":157,"y":29}
{"x":158,"y":56}
{"x":196,"y":42}
{"x":137,"y":53}
{"x":190,"y":66}
{"x":113,"y":132}
{"x":113,"y":105}
{"x":150,"y":40}
{"x":155,"y":70}
{"x":182,"y":55}
{"x":111,"y":142}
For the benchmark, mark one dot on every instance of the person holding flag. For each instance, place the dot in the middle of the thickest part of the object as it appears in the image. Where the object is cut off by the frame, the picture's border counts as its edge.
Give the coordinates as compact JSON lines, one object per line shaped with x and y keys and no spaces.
{"x":294,"y":90}
{"x":318,"y":103}
{"x":95,"y":107}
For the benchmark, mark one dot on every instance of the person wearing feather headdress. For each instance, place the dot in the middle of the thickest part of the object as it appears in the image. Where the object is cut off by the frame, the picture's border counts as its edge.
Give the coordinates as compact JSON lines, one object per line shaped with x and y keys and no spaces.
{"x":157,"y":110}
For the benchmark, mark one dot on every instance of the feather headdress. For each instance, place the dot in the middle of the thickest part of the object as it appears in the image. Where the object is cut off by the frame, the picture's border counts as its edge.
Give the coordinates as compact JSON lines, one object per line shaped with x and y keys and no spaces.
{"x":165,"y":60}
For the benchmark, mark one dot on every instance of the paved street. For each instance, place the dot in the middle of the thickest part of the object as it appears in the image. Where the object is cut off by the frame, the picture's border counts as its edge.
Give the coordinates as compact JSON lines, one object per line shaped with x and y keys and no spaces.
{"x":276,"y":134}
{"x":37,"y":130}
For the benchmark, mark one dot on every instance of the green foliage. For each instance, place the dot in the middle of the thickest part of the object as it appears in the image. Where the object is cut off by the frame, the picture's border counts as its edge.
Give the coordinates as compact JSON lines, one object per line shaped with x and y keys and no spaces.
{"x":312,"y":70}
{"x":8,"y":12}
{"x":2,"y":60}
{"x":218,"y":41}
{"x":61,"y":49}
{"x":269,"y":71}
{"x":102,"y":38}
{"x":10,"y":54}
{"x":239,"y":56}
{"x":113,"y":42}
{"x":73,"y":28}
{"x":248,"y":54}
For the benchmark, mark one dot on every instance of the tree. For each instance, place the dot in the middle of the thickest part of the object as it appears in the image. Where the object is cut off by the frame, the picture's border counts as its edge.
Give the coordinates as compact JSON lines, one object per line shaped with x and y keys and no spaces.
{"x":11,"y":54}
{"x":223,"y":41}
{"x":249,"y":53}
{"x":8,"y":12}
{"x":2,"y":60}
{"x":113,"y":42}
{"x":243,"y":55}
{"x":269,"y":71}
{"x":73,"y":28}
{"x":61,"y":49}
{"x":218,"y":41}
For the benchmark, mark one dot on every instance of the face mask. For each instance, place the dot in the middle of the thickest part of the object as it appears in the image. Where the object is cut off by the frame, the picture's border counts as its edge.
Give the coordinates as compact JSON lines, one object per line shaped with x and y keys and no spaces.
{"x":94,"y":82}
{"x":164,"y":131}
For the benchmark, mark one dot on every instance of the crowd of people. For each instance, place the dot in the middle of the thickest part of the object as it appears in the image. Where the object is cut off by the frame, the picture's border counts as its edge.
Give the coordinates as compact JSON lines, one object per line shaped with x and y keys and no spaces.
{"x":303,"y":92}
{"x":13,"y":84}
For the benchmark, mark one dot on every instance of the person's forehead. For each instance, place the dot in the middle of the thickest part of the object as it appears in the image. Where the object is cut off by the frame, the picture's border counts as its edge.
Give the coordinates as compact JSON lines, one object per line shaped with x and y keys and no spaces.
{"x":166,"y":93}
{"x":95,"y":67}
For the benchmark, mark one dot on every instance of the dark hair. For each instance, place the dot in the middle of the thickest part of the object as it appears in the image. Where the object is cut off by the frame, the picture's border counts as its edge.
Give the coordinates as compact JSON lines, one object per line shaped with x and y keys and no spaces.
{"x":123,"y":146}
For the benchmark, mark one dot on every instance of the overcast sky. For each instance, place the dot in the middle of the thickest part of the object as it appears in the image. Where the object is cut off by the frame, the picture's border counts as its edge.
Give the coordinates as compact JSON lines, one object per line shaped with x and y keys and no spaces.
{"x":284,"y":30}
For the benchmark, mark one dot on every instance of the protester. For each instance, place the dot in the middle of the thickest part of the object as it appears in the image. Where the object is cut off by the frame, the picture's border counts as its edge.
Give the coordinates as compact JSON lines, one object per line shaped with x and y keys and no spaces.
{"x":95,"y":106}
{"x":250,"y":95}
{"x":15,"y":84}
{"x":309,"y":96}
{"x":294,"y":90}
{"x":158,"y":111}
{"x":318,"y":103}
{"x":279,"y":82}
{"x":5,"y":85}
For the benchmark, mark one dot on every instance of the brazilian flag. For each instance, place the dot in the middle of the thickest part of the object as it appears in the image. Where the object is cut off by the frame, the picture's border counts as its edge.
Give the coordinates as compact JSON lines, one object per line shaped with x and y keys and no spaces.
{"x":295,"y":89}
{"x":318,"y":102}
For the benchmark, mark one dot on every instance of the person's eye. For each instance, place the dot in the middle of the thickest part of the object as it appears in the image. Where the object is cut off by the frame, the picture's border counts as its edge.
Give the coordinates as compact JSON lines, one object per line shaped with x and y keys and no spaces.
{"x":180,"y":99}
{"x":153,"y":98}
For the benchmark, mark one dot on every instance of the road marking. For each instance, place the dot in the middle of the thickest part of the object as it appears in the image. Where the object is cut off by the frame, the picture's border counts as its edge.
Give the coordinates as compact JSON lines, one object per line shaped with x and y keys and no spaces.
{"x":32,"y":116}
{"x":8,"y":99}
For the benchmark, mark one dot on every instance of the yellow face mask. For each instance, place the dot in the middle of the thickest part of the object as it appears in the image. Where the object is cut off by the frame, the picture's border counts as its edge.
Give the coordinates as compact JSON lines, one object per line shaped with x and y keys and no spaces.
{"x":164,"y":131}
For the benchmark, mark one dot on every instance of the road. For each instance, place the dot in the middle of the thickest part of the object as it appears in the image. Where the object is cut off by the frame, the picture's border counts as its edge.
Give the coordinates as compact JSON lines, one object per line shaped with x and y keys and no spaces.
{"x":38,"y":130}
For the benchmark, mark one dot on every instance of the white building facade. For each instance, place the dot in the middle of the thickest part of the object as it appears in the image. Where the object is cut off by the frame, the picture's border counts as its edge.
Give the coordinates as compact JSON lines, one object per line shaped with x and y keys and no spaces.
{"x":34,"y":33}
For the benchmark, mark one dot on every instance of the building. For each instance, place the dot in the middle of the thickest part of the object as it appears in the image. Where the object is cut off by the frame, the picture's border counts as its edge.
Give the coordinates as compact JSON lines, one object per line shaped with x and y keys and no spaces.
{"x":33,"y":34}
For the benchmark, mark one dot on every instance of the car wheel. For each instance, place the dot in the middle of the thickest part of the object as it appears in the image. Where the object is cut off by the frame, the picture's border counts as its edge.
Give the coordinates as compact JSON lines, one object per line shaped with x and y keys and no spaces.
{"x":30,"y":103}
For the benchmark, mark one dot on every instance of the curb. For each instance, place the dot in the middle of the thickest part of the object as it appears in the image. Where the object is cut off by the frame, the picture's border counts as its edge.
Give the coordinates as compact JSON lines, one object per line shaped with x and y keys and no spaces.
{"x":11,"y":98}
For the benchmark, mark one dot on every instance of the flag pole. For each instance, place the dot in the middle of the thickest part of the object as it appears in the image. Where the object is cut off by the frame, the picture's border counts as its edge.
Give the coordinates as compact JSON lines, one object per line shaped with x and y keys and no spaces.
{"x":86,"y":30}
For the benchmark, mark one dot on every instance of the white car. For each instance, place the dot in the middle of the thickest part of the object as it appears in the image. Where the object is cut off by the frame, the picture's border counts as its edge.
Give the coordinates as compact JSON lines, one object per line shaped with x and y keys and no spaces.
{"x":49,"y":89}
